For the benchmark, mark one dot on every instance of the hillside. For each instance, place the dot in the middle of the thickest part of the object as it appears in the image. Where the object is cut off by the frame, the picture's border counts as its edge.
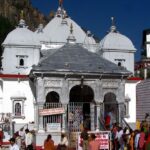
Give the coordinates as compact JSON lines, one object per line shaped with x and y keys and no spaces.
{"x":10,"y":11}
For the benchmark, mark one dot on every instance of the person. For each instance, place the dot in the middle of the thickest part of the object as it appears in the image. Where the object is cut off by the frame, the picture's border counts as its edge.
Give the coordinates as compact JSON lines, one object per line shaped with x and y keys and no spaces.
{"x":93,"y":144}
{"x":1,"y":137}
{"x":147,"y":143}
{"x":131,"y":140}
{"x":28,"y":140}
{"x":84,"y":137}
{"x":142,"y":139}
{"x":136,"y":139}
{"x":13,"y":145}
{"x":119,"y":138}
{"x":107,"y":120}
{"x":49,"y":143}
{"x":21,"y":133}
{"x":63,"y":145}
{"x":18,"y":139}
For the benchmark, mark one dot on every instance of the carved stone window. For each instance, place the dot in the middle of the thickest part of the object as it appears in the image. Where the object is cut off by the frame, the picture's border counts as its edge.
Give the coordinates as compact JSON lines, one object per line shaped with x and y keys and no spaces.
{"x":21,"y":61}
{"x":18,"y":107}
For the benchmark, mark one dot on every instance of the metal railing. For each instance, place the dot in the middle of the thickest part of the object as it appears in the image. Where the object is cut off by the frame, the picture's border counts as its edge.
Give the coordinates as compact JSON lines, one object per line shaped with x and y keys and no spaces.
{"x":56,"y":118}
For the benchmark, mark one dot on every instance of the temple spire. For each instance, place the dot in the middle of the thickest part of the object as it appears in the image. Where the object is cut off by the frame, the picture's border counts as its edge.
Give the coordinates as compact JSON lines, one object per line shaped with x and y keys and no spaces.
{"x":112,"y":21}
{"x":113,"y":27}
{"x":60,"y":3}
{"x":71,"y":39}
{"x":22,"y":23}
{"x":21,"y":14}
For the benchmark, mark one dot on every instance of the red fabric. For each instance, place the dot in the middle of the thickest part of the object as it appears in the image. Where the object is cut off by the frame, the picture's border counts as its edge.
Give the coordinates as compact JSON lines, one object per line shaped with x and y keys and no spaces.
{"x":141,"y":140}
{"x":107,"y":120}
{"x":1,"y":137}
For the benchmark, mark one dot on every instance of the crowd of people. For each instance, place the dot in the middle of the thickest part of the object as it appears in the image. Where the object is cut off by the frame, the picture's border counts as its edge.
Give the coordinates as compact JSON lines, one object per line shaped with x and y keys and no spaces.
{"x":120,"y":139}
{"x":23,"y":140}
{"x":128,"y":139}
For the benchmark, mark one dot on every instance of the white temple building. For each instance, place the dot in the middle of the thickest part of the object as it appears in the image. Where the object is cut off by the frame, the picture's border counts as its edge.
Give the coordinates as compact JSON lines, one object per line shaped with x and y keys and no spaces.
{"x":62,"y":64}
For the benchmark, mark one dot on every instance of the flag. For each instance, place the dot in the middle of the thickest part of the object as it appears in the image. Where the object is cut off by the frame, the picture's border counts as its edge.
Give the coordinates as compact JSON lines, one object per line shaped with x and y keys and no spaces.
{"x":60,"y":2}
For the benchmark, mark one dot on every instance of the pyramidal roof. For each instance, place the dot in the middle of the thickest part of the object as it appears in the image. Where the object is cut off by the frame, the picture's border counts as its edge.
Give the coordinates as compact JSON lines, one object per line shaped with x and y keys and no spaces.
{"x":73,"y":58}
{"x":57,"y":30}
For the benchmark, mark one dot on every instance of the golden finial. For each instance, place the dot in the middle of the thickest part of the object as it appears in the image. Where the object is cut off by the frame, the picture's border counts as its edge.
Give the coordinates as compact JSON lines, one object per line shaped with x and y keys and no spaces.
{"x":52,"y":14}
{"x":21,"y":14}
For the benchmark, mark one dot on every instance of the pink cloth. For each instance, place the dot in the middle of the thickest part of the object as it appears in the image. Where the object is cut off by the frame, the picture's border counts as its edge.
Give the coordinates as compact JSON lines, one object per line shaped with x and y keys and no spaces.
{"x":142,"y":140}
{"x":94,"y":145}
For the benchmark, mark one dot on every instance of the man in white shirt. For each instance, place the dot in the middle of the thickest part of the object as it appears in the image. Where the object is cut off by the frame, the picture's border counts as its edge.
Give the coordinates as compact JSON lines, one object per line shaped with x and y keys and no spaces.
{"x":136,"y":140}
{"x":28,"y":140}
{"x":13,"y":145}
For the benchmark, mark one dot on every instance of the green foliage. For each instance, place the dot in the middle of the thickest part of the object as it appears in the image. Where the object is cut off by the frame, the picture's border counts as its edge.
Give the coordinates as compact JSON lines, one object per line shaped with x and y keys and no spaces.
{"x":5,"y":27}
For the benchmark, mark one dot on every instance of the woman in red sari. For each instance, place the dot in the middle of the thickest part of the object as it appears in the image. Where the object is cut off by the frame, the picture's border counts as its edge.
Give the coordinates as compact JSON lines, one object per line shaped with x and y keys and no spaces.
{"x":142,"y":139}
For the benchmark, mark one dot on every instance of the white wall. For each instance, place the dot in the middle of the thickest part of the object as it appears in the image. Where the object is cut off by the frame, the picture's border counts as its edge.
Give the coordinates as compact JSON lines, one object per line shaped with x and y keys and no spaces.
{"x":148,"y":46}
{"x":130,"y":90}
{"x":11,"y":88}
{"x":10,"y":61}
{"x":127,"y":56}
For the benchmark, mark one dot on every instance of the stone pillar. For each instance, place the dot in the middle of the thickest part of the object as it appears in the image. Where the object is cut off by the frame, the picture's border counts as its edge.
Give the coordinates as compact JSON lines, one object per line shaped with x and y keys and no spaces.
{"x":93,"y":117}
{"x":98,"y":116}
{"x":36,"y":116}
{"x":40,"y":121}
{"x":121,"y":112}
{"x":64,"y":119}
{"x":145,"y":73}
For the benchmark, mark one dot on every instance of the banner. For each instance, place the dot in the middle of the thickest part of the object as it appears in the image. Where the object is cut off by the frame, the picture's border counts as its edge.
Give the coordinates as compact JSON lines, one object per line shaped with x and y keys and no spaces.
{"x":52,"y":111}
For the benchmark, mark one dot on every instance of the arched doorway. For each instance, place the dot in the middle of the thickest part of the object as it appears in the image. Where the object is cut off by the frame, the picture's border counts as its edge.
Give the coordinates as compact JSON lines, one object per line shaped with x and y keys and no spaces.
{"x":52,"y":97}
{"x":111,"y":108}
{"x":80,"y":107}
{"x":52,"y":102}
{"x":81,"y":94}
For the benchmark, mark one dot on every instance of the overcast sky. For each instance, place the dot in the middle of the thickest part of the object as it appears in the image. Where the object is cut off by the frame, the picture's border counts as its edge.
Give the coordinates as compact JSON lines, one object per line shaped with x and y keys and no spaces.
{"x":131,"y":16}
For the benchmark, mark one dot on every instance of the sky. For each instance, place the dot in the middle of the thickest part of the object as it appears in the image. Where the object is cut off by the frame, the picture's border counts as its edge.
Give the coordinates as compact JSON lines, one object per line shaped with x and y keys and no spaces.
{"x":131,"y":16}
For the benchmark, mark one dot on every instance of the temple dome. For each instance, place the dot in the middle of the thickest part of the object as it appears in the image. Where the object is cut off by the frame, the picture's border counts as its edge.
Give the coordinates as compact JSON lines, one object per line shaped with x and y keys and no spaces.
{"x":21,"y":36}
{"x":115,"y":40}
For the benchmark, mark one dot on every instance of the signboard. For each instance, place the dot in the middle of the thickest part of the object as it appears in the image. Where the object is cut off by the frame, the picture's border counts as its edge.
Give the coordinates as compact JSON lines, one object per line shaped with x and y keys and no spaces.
{"x":53,"y":127}
{"x":103,"y":137}
{"x":52,"y":111}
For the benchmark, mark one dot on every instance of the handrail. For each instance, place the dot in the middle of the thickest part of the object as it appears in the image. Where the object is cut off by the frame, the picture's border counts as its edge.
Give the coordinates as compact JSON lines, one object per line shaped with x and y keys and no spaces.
{"x":24,"y":126}
{"x":125,"y":122}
